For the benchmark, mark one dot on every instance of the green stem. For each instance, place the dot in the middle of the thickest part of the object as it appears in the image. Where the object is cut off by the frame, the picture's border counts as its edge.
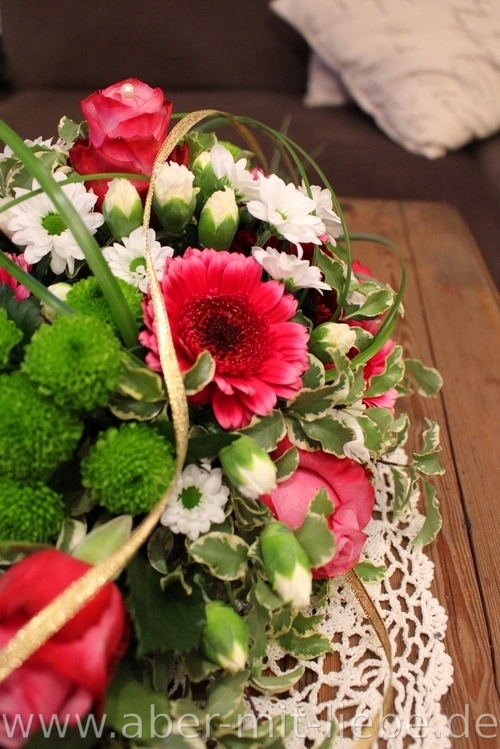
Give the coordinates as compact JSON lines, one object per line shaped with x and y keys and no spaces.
{"x":98,"y":265}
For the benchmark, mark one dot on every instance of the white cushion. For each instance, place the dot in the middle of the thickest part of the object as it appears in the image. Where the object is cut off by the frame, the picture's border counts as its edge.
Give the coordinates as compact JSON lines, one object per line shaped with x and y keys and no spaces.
{"x":428,"y":71}
{"x":324,"y":86}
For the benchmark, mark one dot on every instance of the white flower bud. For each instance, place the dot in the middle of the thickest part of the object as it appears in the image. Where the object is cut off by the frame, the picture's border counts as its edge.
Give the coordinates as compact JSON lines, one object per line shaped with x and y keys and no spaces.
{"x":219,"y":220}
{"x":175,"y":197}
{"x":122,"y":208}
{"x":286,"y":564}
{"x":248,"y":467}
{"x":330,"y":337}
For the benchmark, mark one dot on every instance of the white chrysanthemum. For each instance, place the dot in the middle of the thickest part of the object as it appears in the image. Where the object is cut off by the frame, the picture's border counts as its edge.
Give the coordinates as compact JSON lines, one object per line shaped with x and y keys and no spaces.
{"x":127,"y":260}
{"x":199,"y":501}
{"x":288,"y":210}
{"x":294,"y":272}
{"x":58,"y":146}
{"x":37,"y":226}
{"x":324,"y":209}
{"x":235,"y":172}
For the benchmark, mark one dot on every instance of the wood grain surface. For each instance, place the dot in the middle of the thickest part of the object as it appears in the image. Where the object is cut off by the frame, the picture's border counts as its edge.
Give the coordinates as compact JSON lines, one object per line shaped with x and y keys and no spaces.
{"x":452,"y":321}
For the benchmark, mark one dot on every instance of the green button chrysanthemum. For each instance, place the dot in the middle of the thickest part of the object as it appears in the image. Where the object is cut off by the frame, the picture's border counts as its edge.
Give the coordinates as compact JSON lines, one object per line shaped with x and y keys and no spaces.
{"x":10,"y":335}
{"x":35,"y":435}
{"x":86,"y":297}
{"x":129,"y":469}
{"x":29,"y":513}
{"x":76,"y":361}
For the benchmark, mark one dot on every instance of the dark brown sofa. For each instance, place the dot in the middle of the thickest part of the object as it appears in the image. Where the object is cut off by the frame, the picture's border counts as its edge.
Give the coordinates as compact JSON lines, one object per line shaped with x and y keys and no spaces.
{"x":234,"y":55}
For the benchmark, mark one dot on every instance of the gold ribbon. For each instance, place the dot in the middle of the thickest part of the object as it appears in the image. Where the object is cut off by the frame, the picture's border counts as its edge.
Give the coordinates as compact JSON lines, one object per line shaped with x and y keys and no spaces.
{"x":63,"y":608}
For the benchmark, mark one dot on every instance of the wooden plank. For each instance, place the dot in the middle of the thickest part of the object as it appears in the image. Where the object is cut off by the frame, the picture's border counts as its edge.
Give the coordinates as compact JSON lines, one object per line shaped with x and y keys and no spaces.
{"x":456,"y":584}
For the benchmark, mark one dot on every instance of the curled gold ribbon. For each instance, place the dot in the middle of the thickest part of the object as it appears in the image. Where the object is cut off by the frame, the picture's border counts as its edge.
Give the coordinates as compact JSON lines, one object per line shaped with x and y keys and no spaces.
{"x":63,"y":608}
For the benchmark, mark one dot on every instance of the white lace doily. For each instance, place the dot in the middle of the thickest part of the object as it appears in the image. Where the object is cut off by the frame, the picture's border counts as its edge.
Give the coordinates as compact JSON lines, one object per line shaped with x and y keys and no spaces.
{"x":416,"y":624}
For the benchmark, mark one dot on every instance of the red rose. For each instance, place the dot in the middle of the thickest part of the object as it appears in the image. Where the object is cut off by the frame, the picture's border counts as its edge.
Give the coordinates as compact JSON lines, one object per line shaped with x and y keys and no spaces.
{"x":376,"y":365}
{"x":348,"y":487}
{"x":127,"y":122}
{"x":70,"y":673}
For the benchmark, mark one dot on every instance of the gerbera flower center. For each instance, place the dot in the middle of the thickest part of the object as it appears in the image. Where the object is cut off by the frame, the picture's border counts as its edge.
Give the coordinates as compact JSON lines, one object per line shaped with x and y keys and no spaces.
{"x":53,"y":224}
{"x":229,"y":327}
{"x":190,"y":497}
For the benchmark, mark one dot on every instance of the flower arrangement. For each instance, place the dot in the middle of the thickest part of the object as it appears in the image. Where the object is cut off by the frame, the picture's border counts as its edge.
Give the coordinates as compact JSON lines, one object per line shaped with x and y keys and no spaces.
{"x":283,"y":344}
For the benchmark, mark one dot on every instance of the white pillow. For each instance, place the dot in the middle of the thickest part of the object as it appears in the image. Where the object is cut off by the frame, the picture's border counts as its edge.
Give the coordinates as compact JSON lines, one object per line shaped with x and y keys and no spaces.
{"x":428,"y":71}
{"x":324,"y":86}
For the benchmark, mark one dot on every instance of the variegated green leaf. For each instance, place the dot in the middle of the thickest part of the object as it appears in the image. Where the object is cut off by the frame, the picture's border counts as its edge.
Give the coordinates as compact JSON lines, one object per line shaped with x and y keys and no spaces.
{"x":390,"y":377}
{"x":316,"y":539}
{"x":329,"y":433}
{"x":303,"y":625}
{"x":268,"y":431}
{"x":201,"y":373}
{"x":305,"y":648}
{"x":370,"y":573}
{"x":332,"y":269}
{"x":224,"y":554}
{"x":278,"y":684}
{"x":287,"y":464}
{"x":314,"y":376}
{"x":309,"y":404}
{"x":433,"y":520}
{"x":427,"y":379}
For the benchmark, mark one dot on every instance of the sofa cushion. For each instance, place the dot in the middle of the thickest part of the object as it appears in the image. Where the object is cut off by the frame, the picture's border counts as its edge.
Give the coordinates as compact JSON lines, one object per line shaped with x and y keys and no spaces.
{"x":187,"y":44}
{"x":427,"y":71}
{"x":358,"y":159}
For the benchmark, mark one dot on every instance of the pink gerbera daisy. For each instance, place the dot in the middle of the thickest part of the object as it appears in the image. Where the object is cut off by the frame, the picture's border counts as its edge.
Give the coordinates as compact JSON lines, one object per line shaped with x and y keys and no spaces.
{"x":217,"y":302}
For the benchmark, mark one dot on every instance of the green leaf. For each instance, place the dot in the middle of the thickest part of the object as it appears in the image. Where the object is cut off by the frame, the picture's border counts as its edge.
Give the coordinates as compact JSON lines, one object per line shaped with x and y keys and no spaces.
{"x":268,"y":431}
{"x":198,"y":142}
{"x":374,"y":440}
{"x":298,"y":436}
{"x":249,"y":513}
{"x":208,"y":445}
{"x":225,"y":694}
{"x":330,"y":433}
{"x":304,"y":625}
{"x":139,"y":382}
{"x":332,"y":269}
{"x":287,"y":464}
{"x":427,"y":461}
{"x":390,"y":377}
{"x":402,"y":487}
{"x":201,"y":373}
{"x":370,"y":573}
{"x":160,"y":544}
{"x":104,"y":539}
{"x":257,"y":621}
{"x":377,"y":302}
{"x":316,"y":539}
{"x":266,"y":597}
{"x":309,"y":404}
{"x":224,"y":554}
{"x":164,"y":620}
{"x":427,"y":379}
{"x":281,"y":621}
{"x":126,"y":698}
{"x":430,"y":436}
{"x":321,"y":504}
{"x":176,"y":576}
{"x":126,"y":408}
{"x":198,"y":667}
{"x":314,"y":376}
{"x":433,"y":520}
{"x":278,"y":684}
{"x":69,"y":131}
{"x":305,"y":647}
{"x":71,"y":534}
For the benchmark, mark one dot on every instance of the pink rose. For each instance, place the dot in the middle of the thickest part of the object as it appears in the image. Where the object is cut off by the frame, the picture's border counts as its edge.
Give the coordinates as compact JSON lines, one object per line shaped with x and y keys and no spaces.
{"x":348,"y":487}
{"x":20,"y":291}
{"x":70,"y":673}
{"x":127,"y":123}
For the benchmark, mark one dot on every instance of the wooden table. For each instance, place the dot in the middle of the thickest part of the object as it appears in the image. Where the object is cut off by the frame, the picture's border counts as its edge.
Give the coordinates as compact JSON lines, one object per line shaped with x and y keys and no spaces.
{"x":452,"y":321}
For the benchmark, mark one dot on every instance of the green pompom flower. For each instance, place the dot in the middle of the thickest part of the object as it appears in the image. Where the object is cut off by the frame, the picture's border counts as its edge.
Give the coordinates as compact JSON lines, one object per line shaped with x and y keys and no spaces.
{"x":129,"y":469}
{"x":35,"y":435}
{"x":10,"y":335}
{"x":29,"y":513}
{"x":76,"y":360}
{"x":86,"y":297}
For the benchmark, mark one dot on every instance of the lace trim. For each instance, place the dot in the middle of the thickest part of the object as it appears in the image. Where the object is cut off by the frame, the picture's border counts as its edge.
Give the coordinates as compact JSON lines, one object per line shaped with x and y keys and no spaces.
{"x":351,"y":685}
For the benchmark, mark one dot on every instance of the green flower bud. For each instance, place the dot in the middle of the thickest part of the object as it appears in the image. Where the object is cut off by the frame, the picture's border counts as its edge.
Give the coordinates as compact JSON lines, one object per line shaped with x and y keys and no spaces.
{"x":204,"y":175}
{"x":225,"y":637}
{"x":175,"y":197}
{"x":218,"y":220}
{"x":286,"y":564}
{"x":122,"y":208}
{"x":248,"y":467}
{"x":10,"y":335}
{"x":330,"y":337}
{"x":60,"y":290}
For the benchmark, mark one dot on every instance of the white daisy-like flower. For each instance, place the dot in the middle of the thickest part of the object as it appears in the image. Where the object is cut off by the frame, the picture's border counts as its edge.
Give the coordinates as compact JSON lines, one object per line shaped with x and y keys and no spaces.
{"x":235,"y":172}
{"x":294,"y":272}
{"x":290,"y":212}
{"x":37,"y":226}
{"x":324,"y":209}
{"x":127,"y":260}
{"x":199,"y":501}
{"x":8,"y":153}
